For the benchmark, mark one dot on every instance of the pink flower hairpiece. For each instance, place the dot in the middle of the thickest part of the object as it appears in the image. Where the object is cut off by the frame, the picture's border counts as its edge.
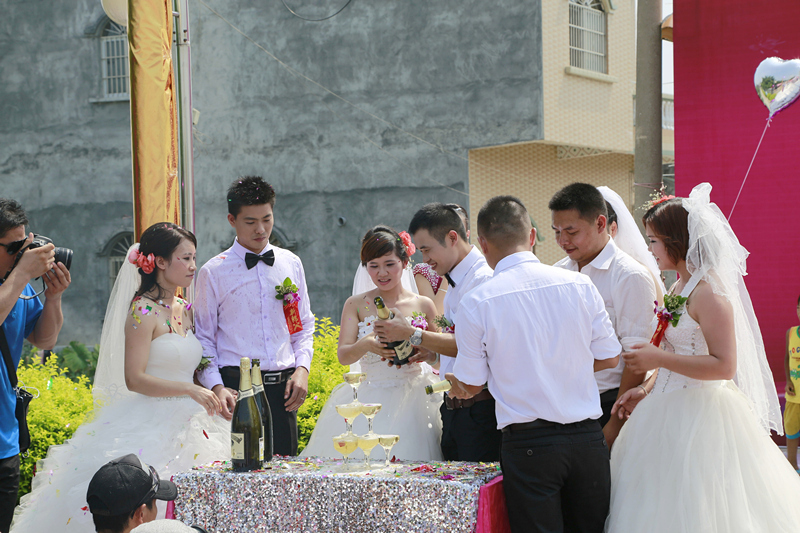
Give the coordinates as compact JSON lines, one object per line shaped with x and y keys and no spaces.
{"x":406,"y":239}
{"x":146,"y":262}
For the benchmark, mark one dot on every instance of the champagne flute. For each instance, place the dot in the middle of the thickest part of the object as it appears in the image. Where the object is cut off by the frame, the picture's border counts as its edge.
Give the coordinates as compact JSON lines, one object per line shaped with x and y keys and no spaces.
{"x":366,"y":443}
{"x":387,"y":442}
{"x":369,"y":410}
{"x":346,"y":443}
{"x":354,"y":379}
{"x":349,"y":411}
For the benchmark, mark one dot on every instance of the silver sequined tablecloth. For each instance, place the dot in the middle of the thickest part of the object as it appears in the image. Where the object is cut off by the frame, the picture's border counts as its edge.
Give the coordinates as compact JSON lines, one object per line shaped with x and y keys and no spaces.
{"x":314,"y":495}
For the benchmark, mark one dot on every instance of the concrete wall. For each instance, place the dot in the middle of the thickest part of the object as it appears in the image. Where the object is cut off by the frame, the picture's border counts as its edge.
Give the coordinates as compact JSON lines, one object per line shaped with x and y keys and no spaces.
{"x":459,"y":74}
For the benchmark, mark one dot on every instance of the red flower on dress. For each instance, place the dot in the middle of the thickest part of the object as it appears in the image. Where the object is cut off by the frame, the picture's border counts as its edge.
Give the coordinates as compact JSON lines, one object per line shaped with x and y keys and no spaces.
{"x":406,"y":238}
{"x":146,"y":262}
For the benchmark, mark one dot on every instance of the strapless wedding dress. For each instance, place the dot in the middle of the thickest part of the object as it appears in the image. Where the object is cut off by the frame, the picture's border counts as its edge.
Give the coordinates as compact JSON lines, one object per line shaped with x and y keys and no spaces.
{"x":407,"y":411}
{"x":693,"y":458}
{"x":171,"y":434}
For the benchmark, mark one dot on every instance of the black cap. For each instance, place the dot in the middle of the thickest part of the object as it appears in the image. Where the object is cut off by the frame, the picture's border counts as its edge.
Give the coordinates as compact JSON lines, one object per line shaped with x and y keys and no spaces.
{"x":122,"y":485}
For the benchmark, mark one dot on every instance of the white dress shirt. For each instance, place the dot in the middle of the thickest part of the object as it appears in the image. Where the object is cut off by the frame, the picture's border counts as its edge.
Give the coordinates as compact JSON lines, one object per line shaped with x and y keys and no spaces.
{"x":628,"y":292}
{"x":533,"y":332}
{"x":237,"y":315}
{"x":468,"y":274}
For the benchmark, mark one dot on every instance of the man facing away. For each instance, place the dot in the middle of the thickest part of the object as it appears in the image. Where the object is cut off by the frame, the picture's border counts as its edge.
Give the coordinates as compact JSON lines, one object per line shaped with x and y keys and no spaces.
{"x":469,"y":427}
{"x":580,"y":222}
{"x":537,"y":334}
{"x":22,"y":316}
{"x":237,"y":314}
{"x":122,"y":494}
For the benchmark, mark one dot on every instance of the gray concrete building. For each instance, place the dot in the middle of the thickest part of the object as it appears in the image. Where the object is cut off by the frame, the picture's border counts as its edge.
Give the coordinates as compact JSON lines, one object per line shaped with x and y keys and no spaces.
{"x":409,"y":87}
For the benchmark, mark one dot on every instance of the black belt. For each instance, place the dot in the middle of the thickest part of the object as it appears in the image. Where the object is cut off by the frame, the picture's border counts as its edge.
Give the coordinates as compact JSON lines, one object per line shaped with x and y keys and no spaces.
{"x":268,"y":377}
{"x":454,"y":403}
{"x":540,"y":424}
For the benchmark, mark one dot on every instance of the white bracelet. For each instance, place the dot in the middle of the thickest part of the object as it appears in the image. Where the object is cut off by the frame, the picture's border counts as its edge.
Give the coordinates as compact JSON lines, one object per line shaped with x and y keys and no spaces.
{"x":645,"y":390}
{"x":437,"y":360}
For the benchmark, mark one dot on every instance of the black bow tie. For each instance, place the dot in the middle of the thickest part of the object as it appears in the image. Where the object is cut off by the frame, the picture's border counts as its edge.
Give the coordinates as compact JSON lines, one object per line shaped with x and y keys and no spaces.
{"x":450,"y":280}
{"x":252,"y":259}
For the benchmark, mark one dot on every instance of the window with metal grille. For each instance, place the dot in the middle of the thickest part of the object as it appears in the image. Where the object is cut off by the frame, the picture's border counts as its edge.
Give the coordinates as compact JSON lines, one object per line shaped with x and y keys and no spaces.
{"x":114,"y":59}
{"x":587,"y":35}
{"x":117,"y":255}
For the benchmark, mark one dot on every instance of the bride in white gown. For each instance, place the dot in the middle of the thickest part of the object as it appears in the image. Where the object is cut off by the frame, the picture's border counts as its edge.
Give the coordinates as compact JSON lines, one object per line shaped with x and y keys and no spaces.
{"x":160,"y":415}
{"x":407,"y":411}
{"x":696,"y":455}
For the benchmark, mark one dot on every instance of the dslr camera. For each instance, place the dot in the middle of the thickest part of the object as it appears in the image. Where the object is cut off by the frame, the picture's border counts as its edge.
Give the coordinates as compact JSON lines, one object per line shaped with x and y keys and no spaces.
{"x":63,"y":255}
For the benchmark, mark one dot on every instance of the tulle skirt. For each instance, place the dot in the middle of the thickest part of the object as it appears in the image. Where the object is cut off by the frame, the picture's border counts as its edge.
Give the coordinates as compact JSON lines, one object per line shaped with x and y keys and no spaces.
{"x":406,"y":411}
{"x":696,"y":460}
{"x":170,"y":434}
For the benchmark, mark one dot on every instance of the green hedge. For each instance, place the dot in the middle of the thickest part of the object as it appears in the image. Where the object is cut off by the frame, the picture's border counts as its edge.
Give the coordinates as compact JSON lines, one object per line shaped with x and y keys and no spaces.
{"x":53,"y":417}
{"x":325,"y":374}
{"x":64,"y":384}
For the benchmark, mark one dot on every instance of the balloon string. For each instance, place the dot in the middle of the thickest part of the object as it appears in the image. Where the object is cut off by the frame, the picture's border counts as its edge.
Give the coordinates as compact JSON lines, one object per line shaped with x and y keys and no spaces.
{"x":748,"y":168}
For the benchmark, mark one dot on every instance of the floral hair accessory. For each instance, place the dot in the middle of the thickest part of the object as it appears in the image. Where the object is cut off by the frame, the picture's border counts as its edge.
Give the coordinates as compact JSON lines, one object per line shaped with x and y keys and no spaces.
{"x":146,"y":262}
{"x":406,"y":238}
{"x":658,"y":197}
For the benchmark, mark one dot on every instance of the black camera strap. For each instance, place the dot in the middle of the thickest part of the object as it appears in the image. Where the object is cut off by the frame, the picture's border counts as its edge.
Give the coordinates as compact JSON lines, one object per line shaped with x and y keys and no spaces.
{"x":12,"y":372}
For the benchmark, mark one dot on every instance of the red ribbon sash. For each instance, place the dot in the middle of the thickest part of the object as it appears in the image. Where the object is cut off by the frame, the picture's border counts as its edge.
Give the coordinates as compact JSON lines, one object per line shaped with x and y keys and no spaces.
{"x":658,"y":335}
{"x":292,"y":314}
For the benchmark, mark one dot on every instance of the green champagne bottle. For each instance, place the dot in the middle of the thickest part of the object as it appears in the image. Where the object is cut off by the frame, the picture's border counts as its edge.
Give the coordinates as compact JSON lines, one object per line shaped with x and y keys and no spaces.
{"x":247,"y":430}
{"x":263,"y":406}
{"x":402,"y":349}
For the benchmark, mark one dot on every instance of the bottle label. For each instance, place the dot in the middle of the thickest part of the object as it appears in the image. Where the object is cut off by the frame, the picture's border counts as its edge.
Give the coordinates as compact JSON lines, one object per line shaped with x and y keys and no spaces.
{"x":261,"y":449}
{"x":257,"y":388}
{"x":244,"y":394}
{"x":237,"y":446}
{"x":404,"y":350}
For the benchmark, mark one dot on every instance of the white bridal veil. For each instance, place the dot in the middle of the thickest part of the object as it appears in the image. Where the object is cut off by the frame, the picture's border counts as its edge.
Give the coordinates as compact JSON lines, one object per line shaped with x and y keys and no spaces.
{"x":630,"y":240}
{"x":109,"y":378}
{"x":716,"y":256}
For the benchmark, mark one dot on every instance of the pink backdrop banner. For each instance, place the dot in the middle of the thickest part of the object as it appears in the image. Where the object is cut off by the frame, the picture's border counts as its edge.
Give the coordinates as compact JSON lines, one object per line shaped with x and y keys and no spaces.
{"x":718,"y":122}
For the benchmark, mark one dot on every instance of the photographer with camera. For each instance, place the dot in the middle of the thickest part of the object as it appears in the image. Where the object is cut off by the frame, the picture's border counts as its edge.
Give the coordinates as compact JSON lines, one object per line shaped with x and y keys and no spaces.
{"x":22,"y":315}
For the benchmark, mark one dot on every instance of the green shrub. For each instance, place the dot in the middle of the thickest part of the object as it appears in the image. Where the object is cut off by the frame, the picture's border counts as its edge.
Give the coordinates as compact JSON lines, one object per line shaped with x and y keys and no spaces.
{"x":61,"y":407}
{"x":325,"y":374}
{"x":78,"y":360}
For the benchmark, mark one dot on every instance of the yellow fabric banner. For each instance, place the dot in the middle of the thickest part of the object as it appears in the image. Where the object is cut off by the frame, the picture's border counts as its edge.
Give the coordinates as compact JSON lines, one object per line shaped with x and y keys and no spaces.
{"x":154,"y":128}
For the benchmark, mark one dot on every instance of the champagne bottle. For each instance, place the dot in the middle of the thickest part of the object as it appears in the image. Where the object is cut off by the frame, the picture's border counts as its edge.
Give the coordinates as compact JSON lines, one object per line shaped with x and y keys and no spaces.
{"x":402,"y":349}
{"x":442,"y":386}
{"x":247,"y":430}
{"x":263,"y":406}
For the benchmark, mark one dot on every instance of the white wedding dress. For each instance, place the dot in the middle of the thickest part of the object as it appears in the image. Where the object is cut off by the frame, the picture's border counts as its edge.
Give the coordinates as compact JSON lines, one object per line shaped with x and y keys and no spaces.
{"x":693,"y":458}
{"x":171,"y":434}
{"x":407,"y":411}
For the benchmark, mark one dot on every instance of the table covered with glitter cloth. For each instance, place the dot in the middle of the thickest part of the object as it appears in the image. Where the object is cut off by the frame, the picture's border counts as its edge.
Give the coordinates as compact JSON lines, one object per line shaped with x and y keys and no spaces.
{"x":319,"y":495}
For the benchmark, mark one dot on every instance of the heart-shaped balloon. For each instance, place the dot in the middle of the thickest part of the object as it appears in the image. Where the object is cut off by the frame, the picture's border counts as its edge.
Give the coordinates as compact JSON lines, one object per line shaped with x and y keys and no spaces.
{"x":777,"y":83}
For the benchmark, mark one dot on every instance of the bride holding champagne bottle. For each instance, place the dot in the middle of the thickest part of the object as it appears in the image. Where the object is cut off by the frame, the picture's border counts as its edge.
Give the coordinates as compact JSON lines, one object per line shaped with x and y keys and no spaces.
{"x":406,"y":410}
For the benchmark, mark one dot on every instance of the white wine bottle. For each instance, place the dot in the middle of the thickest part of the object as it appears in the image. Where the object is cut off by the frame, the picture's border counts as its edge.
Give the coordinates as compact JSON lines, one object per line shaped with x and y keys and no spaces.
{"x":402,"y":349}
{"x":247,"y":430}
{"x":442,"y":386}
{"x":263,"y":407}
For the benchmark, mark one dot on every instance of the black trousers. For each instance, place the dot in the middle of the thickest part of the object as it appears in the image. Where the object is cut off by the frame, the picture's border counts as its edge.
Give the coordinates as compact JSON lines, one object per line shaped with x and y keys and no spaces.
{"x":284,"y":423}
{"x":607,"y":400}
{"x":557,"y":479}
{"x":470,"y":433}
{"x":9,"y":486}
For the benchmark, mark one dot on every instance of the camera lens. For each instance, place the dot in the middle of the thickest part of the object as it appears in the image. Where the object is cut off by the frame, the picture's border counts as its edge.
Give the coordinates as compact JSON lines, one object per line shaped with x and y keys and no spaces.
{"x":64,"y":255}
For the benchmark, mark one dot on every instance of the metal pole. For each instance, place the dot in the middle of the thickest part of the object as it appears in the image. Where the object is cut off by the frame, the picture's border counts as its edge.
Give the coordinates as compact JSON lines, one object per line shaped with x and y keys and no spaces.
{"x":647,"y":150}
{"x":183,"y":79}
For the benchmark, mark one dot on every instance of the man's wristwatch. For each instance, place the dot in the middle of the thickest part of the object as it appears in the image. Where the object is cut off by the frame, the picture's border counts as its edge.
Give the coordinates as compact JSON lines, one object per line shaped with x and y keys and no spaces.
{"x":416,"y":338}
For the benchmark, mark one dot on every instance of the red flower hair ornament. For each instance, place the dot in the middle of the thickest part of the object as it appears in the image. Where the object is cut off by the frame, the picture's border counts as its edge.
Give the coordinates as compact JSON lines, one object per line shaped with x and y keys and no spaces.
{"x":146,"y":262}
{"x":406,"y":239}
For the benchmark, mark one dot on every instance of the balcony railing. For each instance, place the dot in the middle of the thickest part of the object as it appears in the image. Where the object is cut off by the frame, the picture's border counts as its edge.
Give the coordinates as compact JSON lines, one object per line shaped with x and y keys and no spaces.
{"x":667,"y":112}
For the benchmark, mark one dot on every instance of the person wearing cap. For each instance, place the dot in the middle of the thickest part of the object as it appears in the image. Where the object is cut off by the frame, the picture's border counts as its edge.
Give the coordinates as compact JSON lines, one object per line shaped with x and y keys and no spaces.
{"x":122,"y":494}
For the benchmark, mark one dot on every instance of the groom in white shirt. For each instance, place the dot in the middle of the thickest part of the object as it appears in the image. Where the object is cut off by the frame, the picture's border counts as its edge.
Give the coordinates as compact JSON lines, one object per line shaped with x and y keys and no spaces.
{"x":537,"y":334}
{"x":627,"y":287}
{"x":469,"y":427}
